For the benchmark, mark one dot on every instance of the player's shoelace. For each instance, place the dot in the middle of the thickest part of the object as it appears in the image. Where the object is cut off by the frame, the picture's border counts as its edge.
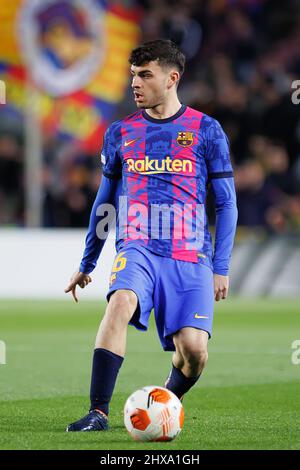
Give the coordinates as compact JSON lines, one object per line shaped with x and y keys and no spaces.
{"x":95,"y":420}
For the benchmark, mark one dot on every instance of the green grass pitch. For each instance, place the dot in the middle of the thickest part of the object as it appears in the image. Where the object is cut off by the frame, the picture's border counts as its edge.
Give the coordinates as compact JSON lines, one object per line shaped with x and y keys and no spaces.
{"x":247,"y":398}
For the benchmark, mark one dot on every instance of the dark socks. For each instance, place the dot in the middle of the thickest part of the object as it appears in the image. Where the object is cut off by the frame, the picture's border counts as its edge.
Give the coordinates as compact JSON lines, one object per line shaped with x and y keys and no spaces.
{"x":178,"y":383}
{"x":106,"y":365}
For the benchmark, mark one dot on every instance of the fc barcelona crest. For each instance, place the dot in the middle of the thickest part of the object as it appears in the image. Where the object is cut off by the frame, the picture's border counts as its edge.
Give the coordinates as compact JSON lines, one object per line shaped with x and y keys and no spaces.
{"x":185,"y":139}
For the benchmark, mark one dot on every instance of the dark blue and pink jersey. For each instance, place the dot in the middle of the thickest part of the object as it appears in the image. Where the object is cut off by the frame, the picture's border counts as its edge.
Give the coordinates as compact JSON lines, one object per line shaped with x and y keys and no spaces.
{"x":162,"y":167}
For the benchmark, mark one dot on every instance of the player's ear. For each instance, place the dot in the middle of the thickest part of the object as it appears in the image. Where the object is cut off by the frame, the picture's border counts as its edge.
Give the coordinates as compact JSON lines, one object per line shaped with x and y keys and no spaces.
{"x":173,"y":78}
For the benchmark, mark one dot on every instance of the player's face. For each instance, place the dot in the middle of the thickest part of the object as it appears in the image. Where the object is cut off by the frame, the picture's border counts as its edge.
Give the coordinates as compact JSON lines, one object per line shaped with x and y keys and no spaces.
{"x":150,"y":84}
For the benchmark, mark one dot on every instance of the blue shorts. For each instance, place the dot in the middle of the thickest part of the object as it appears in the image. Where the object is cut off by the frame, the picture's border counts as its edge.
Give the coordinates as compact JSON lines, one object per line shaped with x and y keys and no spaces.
{"x":181,"y":292}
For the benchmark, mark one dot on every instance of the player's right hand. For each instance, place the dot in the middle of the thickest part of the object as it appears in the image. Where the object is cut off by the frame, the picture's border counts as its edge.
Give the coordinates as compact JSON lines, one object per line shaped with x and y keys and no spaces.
{"x":79,"y":279}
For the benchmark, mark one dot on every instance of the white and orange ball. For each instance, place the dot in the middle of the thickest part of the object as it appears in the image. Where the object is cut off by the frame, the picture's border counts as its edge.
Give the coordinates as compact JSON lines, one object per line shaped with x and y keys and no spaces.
{"x":153,"y":414}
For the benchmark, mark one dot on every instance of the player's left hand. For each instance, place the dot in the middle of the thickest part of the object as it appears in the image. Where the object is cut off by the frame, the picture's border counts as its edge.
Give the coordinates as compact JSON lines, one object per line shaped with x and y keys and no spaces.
{"x":221,"y":286}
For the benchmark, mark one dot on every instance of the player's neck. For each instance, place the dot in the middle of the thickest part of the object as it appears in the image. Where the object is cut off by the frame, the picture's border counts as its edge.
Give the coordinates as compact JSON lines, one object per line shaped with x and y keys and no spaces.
{"x":165,"y":110}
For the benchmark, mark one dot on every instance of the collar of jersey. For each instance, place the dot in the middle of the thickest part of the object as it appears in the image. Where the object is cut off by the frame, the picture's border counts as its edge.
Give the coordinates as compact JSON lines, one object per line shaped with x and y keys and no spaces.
{"x":169,"y":119}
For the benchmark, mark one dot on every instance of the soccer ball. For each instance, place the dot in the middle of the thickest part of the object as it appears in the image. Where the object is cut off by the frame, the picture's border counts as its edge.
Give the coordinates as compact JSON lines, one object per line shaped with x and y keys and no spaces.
{"x":153,"y":414}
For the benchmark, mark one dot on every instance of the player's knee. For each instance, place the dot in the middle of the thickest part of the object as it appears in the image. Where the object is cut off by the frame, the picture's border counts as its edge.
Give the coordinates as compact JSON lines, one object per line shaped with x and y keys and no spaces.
{"x":122,"y":304}
{"x":196,"y":357}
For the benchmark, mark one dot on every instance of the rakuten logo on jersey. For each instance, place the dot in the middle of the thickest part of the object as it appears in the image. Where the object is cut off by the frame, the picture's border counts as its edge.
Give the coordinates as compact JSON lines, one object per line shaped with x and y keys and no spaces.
{"x":150,"y":166}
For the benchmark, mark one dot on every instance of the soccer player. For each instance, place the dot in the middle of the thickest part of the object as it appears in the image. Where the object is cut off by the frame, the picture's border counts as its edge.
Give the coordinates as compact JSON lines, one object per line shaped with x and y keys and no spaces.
{"x":159,"y":160}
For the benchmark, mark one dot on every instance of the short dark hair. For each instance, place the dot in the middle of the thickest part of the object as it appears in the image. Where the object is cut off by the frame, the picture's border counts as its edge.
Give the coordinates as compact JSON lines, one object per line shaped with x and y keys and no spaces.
{"x":165,"y":51}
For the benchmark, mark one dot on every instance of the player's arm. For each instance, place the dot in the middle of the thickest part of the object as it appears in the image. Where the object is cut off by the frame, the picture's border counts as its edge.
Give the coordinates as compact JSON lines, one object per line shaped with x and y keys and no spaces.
{"x":226,"y":219}
{"x":93,"y":243}
{"x":107,"y":194}
{"x":221,"y":177}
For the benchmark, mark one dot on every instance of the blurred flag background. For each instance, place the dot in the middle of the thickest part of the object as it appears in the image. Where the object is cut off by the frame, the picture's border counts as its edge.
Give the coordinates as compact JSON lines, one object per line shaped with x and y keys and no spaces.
{"x":65,"y":67}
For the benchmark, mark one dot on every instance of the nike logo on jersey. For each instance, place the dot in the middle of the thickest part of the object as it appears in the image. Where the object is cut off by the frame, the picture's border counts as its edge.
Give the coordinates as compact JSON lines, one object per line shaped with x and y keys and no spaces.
{"x":200,"y":316}
{"x":129,"y":142}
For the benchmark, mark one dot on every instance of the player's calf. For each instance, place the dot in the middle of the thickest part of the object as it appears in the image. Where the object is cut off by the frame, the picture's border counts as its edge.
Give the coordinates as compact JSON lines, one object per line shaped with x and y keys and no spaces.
{"x":113,"y":328}
{"x":191,"y":351}
{"x":189,"y":360}
{"x":195,"y":360}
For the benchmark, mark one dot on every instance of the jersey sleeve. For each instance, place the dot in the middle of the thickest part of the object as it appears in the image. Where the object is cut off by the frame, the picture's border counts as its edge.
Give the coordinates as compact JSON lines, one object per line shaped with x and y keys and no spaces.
{"x":217,"y":152}
{"x":220,"y":173}
{"x":111,"y":162}
{"x":94,"y":244}
{"x":226,"y":220}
